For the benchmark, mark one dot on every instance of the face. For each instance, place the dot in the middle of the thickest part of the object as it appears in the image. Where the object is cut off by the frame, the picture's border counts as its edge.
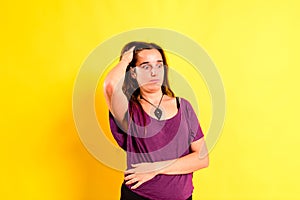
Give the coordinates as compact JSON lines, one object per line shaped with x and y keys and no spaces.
{"x":149,"y":72}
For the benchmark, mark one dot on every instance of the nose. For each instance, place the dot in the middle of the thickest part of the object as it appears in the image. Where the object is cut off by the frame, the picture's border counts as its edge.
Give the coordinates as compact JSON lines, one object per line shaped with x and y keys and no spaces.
{"x":153,"y":71}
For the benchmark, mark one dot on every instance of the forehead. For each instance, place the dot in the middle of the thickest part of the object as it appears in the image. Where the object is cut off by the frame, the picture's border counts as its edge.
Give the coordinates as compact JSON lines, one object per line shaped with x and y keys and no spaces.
{"x":148,"y":55}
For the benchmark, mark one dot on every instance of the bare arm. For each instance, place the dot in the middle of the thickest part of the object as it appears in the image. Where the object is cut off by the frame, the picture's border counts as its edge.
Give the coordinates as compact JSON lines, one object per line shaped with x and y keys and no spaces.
{"x":114,"y":96}
{"x":194,"y":161}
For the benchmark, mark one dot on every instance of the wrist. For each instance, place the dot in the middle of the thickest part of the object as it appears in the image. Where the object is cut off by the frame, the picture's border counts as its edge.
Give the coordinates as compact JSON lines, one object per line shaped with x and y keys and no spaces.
{"x":162,"y":167}
{"x":124,"y":62}
{"x":160,"y":171}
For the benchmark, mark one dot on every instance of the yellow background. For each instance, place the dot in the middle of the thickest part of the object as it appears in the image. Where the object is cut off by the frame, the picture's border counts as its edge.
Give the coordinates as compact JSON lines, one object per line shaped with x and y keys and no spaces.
{"x":254,"y":44}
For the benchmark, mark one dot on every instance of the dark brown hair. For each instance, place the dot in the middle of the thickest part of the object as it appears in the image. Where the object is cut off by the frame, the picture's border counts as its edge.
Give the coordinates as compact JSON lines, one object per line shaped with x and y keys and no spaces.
{"x":130,"y":85}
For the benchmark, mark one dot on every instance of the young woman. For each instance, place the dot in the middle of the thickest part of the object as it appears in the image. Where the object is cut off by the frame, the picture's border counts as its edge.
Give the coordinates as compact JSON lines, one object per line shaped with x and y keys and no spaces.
{"x":160,"y":133}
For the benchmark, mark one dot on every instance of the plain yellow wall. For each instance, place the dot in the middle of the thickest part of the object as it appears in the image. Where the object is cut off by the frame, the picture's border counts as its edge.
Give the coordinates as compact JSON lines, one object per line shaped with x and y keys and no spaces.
{"x":254,"y":44}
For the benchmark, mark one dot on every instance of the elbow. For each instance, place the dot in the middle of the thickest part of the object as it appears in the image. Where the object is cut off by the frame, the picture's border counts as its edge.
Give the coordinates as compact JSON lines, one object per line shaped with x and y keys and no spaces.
{"x":108,"y":88}
{"x":204,"y":161}
{"x":204,"y":157}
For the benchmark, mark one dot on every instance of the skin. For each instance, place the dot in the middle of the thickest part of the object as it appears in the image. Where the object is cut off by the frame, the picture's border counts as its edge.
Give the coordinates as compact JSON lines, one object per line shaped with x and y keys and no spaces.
{"x":150,"y":84}
{"x":149,"y":81}
{"x":150,"y":87}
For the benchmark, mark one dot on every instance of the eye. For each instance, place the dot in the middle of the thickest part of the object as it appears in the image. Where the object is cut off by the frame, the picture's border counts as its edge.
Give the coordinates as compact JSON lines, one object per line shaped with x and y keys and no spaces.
{"x":145,"y":67}
{"x":159,"y":65}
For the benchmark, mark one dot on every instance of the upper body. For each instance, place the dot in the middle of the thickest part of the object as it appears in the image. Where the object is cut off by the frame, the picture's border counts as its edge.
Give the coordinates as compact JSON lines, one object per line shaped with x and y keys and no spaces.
{"x":149,"y":140}
{"x":164,"y":148}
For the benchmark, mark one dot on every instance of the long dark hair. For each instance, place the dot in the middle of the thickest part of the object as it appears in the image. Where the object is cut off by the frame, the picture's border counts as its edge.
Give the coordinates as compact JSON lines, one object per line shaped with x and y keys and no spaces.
{"x":130,"y":85}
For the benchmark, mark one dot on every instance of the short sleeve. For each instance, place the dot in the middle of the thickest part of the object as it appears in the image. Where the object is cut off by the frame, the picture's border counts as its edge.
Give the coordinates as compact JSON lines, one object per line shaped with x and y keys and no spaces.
{"x":193,"y":122}
{"x":119,"y":135}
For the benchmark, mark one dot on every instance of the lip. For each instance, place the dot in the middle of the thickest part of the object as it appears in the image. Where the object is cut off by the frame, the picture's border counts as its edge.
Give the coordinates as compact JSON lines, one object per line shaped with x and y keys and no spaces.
{"x":154,"y":80}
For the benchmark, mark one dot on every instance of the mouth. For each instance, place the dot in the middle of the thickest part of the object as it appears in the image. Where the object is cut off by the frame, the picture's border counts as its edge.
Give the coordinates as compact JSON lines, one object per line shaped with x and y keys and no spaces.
{"x":154,"y":80}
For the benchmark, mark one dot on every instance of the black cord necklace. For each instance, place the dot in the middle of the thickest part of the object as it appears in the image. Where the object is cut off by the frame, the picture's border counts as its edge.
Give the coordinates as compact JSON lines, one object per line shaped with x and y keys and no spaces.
{"x":157,"y":111}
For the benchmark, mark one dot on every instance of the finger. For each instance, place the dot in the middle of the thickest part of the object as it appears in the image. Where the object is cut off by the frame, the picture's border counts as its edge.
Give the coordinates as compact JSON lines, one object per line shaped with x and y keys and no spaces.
{"x":130,"y":171}
{"x":134,"y":165}
{"x":129,"y":51}
{"x":132,"y":48}
{"x":131,"y":181}
{"x":131,"y":176}
{"x":138,"y":164}
{"x":137,"y":185}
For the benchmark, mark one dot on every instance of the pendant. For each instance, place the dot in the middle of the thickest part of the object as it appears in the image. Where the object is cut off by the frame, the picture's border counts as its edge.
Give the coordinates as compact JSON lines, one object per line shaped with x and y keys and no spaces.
{"x":158,"y":113}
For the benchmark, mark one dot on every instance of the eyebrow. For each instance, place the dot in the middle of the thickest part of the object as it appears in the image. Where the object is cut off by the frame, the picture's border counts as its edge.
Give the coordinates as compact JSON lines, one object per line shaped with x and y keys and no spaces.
{"x":149,"y":62}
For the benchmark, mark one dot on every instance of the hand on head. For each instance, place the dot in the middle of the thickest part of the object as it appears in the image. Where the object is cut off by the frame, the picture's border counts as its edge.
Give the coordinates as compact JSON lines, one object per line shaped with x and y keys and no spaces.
{"x":128,"y":55}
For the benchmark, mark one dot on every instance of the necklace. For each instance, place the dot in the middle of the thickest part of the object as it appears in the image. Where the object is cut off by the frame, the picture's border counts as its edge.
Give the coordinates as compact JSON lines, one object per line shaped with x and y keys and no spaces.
{"x":157,"y":111}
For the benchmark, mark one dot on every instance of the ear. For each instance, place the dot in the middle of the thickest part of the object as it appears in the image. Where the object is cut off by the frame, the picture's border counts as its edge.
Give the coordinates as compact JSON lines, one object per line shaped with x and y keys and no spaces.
{"x":132,"y":72}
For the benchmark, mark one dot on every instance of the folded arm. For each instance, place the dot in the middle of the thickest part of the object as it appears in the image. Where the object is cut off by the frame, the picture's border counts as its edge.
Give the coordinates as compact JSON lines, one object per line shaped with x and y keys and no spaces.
{"x":194,"y":161}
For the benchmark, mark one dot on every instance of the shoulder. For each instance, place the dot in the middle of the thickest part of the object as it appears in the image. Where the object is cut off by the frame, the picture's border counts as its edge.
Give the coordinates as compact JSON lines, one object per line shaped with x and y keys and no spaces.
{"x":186,"y":106}
{"x":168,"y":98}
{"x":180,"y":99}
{"x":184,"y":102}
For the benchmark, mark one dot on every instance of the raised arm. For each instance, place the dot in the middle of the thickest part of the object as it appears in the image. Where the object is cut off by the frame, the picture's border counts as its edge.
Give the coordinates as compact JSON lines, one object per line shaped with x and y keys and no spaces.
{"x":114,"y":96}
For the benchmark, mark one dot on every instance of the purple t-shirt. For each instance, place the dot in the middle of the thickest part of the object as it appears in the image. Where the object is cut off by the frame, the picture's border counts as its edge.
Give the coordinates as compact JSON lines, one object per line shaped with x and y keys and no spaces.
{"x":150,"y":140}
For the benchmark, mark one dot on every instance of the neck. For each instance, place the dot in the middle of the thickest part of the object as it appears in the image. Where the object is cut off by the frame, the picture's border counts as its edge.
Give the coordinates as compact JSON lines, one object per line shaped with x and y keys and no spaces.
{"x":153,"y":97}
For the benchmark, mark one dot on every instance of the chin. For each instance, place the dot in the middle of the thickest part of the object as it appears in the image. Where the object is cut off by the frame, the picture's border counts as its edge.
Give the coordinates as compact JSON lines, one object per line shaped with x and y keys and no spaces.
{"x":152,"y":87}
